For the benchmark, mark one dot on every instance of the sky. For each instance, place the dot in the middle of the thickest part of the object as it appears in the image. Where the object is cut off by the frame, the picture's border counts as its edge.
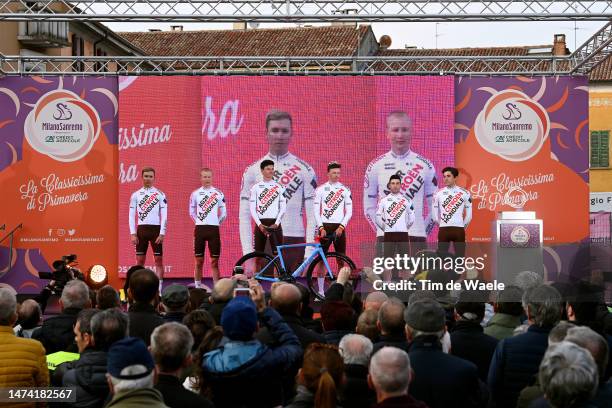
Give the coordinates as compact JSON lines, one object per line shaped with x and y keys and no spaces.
{"x":449,"y":35}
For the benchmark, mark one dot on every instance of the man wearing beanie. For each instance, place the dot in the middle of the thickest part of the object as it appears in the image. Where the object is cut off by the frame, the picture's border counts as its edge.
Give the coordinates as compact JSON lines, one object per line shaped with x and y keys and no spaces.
{"x":244,"y":372}
{"x":440,"y":380}
{"x":131,"y":375}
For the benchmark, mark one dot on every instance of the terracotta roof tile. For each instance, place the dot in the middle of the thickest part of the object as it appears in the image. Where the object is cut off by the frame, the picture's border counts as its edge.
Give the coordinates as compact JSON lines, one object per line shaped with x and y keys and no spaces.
{"x":294,"y":41}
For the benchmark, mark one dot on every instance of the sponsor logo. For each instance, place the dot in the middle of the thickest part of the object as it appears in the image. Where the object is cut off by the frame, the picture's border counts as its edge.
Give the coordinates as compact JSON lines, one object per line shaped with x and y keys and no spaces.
{"x":332,"y":201}
{"x":512,"y":126}
{"x":451,"y":205}
{"x":395,"y":211}
{"x":290,"y":179}
{"x":207,"y":204}
{"x":267,"y":198}
{"x":62,"y":126}
{"x":146,"y":205}
{"x":520,"y":235}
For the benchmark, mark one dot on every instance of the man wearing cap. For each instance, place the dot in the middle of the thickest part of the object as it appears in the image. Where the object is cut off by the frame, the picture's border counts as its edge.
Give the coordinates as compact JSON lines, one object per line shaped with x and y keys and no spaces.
{"x":175,"y":299}
{"x":131,"y":375}
{"x":440,"y":380}
{"x":244,"y":372}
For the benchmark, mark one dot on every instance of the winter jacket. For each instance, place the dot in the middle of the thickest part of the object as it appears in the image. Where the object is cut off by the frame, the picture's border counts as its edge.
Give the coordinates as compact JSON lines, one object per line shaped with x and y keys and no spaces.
{"x":144,"y":397}
{"x":56,"y":333}
{"x":249,"y":373}
{"x":470,"y":343}
{"x":502,"y":325}
{"x":88,"y":376}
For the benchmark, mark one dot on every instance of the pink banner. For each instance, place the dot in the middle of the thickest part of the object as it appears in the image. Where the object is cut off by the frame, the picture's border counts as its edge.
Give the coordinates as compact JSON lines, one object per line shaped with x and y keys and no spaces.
{"x":178,"y":125}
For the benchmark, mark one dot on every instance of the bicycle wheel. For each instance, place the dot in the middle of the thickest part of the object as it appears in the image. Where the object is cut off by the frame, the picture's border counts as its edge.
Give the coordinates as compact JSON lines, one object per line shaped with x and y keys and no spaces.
{"x":317,"y":270}
{"x":259,"y":263}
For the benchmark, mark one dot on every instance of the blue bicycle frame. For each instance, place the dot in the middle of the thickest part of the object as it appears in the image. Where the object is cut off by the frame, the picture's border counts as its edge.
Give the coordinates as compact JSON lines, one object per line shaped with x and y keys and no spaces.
{"x":318,"y":251}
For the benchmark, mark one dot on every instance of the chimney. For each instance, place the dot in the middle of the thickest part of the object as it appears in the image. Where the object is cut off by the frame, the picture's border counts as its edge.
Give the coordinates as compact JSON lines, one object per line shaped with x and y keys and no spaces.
{"x":384,"y":42}
{"x":559,"y":48}
{"x":176,"y":28}
{"x":344,"y":22}
{"x":241,"y":25}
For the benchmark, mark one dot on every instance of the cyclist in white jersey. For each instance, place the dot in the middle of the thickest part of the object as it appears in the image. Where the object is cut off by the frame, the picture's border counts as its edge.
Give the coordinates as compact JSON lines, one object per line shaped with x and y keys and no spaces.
{"x":449,"y":205}
{"x":295,"y":176}
{"x":267,"y":205}
{"x":207,"y":210}
{"x":394,"y":216}
{"x":417,"y":174}
{"x":333,"y":208}
{"x":148,"y":219}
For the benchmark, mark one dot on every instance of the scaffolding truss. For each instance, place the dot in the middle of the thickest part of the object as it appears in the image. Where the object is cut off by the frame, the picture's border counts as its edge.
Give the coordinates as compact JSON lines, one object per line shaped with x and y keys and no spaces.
{"x":302,"y":11}
{"x":421,"y":65}
{"x":593,"y":52}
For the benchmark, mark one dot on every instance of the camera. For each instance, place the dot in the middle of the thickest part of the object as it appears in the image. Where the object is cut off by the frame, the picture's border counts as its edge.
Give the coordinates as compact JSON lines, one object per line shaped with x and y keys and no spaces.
{"x":63,"y":272}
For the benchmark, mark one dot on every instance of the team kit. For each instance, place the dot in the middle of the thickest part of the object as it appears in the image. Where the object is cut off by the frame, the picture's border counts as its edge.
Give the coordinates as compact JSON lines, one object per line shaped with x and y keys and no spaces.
{"x":279,"y":188}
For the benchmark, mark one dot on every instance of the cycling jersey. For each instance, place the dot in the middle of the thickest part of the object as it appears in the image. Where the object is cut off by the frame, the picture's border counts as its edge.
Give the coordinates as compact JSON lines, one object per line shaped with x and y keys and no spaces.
{"x":333,"y":204}
{"x":267,"y":201}
{"x":448,"y":206}
{"x":299,"y":181}
{"x":418,"y":184}
{"x":207,"y":206}
{"x":395,"y":213}
{"x":149,"y":205}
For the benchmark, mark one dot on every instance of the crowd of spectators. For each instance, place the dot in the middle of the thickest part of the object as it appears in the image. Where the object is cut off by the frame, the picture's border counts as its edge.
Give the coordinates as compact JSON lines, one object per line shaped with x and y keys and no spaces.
{"x":531,"y":345}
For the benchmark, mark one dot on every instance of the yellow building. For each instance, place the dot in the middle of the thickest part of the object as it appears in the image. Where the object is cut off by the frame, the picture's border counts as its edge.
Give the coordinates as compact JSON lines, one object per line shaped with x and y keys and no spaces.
{"x":600,"y":127}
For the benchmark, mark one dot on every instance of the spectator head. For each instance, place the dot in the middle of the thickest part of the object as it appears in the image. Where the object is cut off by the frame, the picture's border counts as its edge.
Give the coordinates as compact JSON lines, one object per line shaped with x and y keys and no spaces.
{"x":171,"y":345}
{"x":223,"y":290}
{"x":82,"y":329}
{"x":128,"y":275}
{"x":286,"y":299}
{"x":29,"y":314}
{"x":356,"y":349}
{"x":75,"y":295}
{"x":175,"y":298}
{"x":421,"y":295}
{"x":527,"y":279}
{"x":583,"y":302}
{"x":391,"y":318}
{"x":8,"y":307}
{"x":568,"y":375}
{"x":470,"y":306}
{"x":305,"y":309}
{"x":558,"y":333}
{"x":367,"y":324}
{"x":129,"y":366}
{"x":239,"y":319}
{"x":390,"y":373}
{"x":375,"y":300}
{"x":196,"y":297}
{"x":594,"y":342}
{"x":199,"y":322}
{"x":543,"y":305}
{"x":425,"y":318}
{"x":144,"y":285}
{"x":509,"y":301}
{"x":337,"y":315}
{"x":107,"y":298}
{"x":108,"y":327}
{"x":322,"y":373}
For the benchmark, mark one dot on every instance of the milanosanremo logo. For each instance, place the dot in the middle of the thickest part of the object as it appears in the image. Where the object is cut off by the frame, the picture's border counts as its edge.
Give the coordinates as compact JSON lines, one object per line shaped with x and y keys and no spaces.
{"x":62,"y":126}
{"x":512,"y":126}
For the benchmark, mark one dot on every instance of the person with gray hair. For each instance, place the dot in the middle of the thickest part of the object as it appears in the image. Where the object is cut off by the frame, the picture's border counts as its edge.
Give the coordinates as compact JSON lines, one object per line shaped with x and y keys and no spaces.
{"x":131,"y":375}
{"x":526,"y":280}
{"x":374,"y":300}
{"x":23,"y":360}
{"x":171,"y":345}
{"x":425,"y":327}
{"x":355,"y":350}
{"x":517,"y":359}
{"x":390,"y":375}
{"x":390,"y":325}
{"x":221,"y":294}
{"x":56,"y":332}
{"x":29,"y":318}
{"x":568,"y":375}
{"x":367,"y":324}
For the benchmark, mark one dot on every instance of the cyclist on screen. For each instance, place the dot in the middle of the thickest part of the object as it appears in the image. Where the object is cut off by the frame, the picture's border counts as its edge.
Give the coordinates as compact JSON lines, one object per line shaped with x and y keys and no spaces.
{"x":150,"y":207}
{"x":207,"y":210}
{"x":298,"y":180}
{"x":417,"y":177}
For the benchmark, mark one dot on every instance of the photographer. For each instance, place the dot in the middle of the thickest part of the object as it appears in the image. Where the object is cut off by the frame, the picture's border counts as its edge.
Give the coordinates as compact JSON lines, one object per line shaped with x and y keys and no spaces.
{"x":64,"y":271}
{"x":56,"y":333}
